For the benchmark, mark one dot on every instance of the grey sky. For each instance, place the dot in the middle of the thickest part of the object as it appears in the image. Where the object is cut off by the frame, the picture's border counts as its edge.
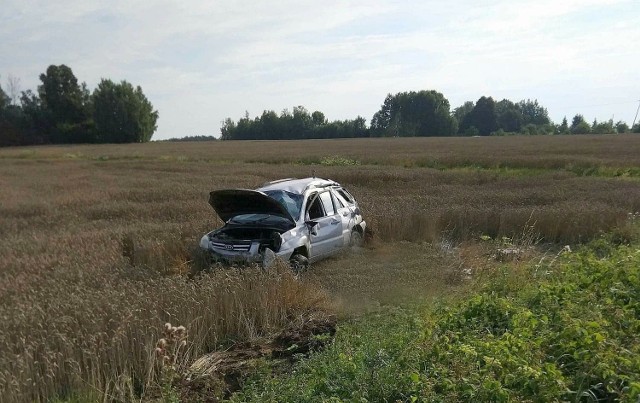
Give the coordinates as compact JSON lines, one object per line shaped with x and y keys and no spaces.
{"x":199,"y":62}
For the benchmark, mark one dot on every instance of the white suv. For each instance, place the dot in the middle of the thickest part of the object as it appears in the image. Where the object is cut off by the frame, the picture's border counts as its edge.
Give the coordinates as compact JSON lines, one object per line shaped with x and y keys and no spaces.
{"x":296,"y":220}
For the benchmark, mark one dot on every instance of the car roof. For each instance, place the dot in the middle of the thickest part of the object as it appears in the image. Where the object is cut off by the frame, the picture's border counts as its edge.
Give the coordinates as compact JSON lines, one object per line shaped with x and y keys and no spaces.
{"x":298,"y":186}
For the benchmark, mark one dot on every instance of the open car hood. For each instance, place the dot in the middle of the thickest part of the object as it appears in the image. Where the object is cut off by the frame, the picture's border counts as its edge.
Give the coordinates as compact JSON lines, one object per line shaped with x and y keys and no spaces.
{"x":229,"y":203}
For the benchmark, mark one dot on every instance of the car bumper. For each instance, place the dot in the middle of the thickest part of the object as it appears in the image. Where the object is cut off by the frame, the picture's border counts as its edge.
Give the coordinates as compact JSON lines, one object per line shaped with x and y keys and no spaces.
{"x":265,"y":258}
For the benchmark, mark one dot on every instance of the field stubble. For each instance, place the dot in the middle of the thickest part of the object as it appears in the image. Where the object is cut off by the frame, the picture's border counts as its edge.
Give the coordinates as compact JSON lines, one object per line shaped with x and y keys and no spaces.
{"x":78,"y":315}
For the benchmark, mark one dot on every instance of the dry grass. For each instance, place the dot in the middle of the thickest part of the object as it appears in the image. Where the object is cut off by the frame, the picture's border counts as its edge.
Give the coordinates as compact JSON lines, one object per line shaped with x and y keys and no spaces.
{"x":573,"y":153}
{"x":96,"y":239}
{"x":99,"y":334}
{"x":78,"y":316}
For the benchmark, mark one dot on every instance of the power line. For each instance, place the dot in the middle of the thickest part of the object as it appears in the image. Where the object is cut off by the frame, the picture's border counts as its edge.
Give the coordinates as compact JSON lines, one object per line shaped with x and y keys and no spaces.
{"x":637,"y":110}
{"x":592,"y":106}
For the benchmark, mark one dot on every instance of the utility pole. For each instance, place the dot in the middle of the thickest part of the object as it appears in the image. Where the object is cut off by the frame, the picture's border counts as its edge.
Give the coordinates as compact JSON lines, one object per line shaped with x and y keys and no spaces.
{"x":634,"y":119}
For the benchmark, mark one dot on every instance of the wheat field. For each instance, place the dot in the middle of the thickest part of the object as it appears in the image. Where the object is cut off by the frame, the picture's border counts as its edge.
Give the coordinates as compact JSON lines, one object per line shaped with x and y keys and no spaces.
{"x":99,"y":243}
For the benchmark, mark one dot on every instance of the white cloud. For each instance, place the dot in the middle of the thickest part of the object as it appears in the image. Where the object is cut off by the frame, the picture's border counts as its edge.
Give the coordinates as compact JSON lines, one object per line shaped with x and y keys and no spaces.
{"x":202,"y":61}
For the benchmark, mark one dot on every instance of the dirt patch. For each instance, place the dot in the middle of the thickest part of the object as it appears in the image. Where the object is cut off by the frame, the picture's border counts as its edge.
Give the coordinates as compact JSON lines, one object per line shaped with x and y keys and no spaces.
{"x":313,"y":335}
{"x":217,"y":375}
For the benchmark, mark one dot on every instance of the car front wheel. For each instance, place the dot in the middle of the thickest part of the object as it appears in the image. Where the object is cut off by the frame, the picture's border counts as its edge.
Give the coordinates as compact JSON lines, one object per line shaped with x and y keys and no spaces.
{"x":299,"y":263}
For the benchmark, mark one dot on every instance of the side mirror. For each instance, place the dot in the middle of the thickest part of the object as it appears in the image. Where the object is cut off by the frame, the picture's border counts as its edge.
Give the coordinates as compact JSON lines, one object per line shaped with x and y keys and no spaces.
{"x":312,"y":227}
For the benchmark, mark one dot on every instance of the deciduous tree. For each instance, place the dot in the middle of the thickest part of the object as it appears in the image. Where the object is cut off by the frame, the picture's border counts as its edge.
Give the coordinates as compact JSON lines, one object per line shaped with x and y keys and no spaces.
{"x":603,"y":127}
{"x":579,"y":125}
{"x":318,"y":118}
{"x":460,"y":112}
{"x":122,"y":113}
{"x":422,"y":113}
{"x":13,"y":88}
{"x":4,"y":99}
{"x":533,"y":113}
{"x":382,"y":119}
{"x":483,"y":117}
{"x":622,"y":127}
{"x":61,"y":94}
{"x":509,"y":116}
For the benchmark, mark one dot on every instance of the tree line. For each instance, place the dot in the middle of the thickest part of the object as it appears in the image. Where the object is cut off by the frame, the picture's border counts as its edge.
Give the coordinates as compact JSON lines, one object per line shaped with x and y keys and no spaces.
{"x":62,"y":111}
{"x":418,"y":113}
{"x":298,"y":124}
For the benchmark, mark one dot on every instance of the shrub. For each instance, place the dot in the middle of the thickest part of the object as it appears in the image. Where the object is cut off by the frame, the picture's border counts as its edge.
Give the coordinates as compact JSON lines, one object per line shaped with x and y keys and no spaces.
{"x":567,"y":331}
{"x":338,"y":161}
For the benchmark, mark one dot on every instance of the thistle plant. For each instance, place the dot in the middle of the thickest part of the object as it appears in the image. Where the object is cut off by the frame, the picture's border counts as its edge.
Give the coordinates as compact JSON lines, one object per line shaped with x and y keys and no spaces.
{"x":170,"y":349}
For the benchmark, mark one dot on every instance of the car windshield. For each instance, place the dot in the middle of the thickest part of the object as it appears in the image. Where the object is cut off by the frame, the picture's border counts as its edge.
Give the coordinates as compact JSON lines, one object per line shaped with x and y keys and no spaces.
{"x":291,"y":201}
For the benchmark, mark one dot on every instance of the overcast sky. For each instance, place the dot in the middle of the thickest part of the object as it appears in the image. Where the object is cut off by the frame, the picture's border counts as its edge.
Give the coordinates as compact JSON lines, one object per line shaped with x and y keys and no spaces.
{"x":200,"y":62}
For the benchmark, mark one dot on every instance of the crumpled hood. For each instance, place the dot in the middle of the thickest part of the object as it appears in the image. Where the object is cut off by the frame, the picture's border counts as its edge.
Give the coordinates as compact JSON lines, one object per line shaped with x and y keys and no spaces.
{"x":229,"y":203}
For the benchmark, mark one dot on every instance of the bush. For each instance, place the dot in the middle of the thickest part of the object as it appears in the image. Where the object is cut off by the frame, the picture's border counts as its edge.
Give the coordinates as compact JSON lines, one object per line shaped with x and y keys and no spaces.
{"x":565,"y":331}
{"x":338,"y":161}
{"x":472,"y":131}
{"x":581,"y":128}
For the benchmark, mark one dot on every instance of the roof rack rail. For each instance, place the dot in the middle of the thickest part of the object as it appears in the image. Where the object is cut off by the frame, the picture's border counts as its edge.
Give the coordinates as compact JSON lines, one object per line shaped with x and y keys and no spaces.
{"x":325,"y":183}
{"x":277,"y":181}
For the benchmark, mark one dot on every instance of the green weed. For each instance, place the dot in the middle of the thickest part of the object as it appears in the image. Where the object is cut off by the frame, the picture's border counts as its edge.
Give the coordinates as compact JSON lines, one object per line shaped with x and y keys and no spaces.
{"x":568,"y":331}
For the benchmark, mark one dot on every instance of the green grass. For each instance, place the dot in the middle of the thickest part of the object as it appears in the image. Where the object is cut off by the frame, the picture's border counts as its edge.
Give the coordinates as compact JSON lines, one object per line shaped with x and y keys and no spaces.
{"x":567,"y":329}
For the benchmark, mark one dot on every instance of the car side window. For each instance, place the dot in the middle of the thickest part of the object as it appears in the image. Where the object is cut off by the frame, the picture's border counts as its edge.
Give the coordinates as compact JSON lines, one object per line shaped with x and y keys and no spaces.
{"x":315,"y":210}
{"x":338,"y":200}
{"x":327,"y":203}
{"x":345,"y":195}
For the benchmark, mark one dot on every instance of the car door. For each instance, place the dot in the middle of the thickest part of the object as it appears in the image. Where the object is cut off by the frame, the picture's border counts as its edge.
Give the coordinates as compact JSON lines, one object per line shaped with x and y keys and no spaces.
{"x":326,"y":237}
{"x":345,"y":215}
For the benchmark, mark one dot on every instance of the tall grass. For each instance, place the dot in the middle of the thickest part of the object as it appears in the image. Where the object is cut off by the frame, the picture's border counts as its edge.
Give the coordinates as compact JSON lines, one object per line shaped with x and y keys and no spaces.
{"x":82,"y":310}
{"x":73,"y":337}
{"x":578,"y":154}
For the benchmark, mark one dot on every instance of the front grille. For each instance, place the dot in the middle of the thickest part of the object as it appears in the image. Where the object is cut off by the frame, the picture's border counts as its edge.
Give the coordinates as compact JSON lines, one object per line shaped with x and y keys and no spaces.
{"x":232,"y":247}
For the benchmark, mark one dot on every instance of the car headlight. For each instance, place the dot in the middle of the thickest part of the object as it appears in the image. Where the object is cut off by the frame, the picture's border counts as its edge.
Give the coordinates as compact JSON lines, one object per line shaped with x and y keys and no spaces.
{"x":276,"y":241}
{"x":204,"y":242}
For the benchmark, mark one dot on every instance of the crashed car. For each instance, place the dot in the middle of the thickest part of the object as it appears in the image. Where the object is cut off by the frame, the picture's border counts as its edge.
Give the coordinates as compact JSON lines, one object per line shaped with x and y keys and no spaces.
{"x":297,"y":220}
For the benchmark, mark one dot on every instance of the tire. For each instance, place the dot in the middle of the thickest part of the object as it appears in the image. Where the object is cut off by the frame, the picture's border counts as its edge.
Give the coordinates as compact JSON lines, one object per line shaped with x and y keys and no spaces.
{"x":356,"y":240}
{"x":298,"y":263}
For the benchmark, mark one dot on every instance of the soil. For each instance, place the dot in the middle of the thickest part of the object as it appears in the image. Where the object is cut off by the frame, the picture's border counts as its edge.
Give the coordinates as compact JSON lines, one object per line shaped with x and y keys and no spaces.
{"x":218,"y":375}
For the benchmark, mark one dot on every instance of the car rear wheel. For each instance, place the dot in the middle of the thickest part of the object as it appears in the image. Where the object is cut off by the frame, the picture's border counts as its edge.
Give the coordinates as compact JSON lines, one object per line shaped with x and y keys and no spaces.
{"x":356,"y":240}
{"x":298,"y":263}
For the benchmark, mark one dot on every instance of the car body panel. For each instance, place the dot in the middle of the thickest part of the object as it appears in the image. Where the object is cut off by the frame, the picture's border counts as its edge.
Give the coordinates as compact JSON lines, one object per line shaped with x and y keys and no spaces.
{"x":328,"y":237}
{"x":229,"y":203}
{"x":345,"y":216}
